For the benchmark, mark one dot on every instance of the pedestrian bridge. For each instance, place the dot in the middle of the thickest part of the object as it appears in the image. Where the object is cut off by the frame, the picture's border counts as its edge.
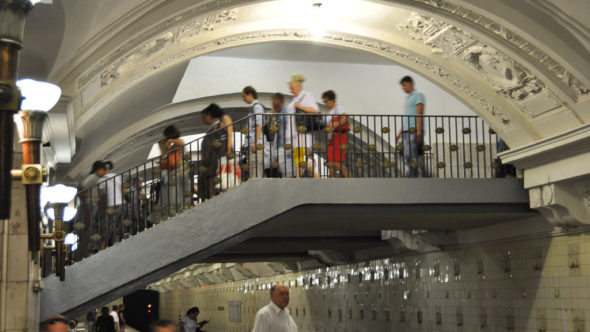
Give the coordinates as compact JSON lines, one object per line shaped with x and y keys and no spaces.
{"x":269,"y":219}
{"x":150,"y":221}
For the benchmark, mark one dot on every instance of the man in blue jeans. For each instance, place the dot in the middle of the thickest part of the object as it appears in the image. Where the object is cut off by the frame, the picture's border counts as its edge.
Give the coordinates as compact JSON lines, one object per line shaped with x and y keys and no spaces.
{"x":411,"y":132}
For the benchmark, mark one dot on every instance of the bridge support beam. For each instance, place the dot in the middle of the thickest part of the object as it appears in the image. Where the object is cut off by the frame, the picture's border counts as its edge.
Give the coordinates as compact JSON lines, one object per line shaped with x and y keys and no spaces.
{"x":557,"y":176}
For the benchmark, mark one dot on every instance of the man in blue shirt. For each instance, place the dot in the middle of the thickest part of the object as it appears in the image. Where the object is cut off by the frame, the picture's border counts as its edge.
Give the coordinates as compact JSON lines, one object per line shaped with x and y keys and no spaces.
{"x":411,"y":132}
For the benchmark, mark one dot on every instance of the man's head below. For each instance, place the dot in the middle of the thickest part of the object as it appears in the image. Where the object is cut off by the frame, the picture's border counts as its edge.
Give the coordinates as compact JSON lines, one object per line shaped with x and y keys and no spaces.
{"x":279,"y":294}
{"x":407,"y":84}
{"x":164,"y":326}
{"x":115,"y":308}
{"x":57,"y":323}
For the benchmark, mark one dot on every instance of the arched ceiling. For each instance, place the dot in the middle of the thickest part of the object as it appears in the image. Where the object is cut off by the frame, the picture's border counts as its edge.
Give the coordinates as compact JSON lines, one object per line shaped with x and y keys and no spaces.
{"x":523,"y":66}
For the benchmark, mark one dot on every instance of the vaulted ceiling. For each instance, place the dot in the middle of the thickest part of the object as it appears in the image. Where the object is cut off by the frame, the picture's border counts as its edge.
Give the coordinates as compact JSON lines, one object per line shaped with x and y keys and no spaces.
{"x":523,"y":66}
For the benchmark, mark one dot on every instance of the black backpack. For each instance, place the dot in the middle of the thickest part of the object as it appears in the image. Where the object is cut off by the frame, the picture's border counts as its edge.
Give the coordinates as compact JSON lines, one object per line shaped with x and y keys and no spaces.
{"x":270,"y":120}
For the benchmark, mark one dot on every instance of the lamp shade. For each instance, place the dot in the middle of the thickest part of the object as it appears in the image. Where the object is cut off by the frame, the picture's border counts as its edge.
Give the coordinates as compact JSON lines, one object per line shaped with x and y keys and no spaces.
{"x":70,"y":239}
{"x":57,"y":194}
{"x":37,"y":95}
{"x":69,"y":213}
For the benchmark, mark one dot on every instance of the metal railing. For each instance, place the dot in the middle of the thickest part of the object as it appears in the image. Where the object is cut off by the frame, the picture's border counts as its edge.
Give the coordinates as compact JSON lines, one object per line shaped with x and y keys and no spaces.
{"x":292,"y":145}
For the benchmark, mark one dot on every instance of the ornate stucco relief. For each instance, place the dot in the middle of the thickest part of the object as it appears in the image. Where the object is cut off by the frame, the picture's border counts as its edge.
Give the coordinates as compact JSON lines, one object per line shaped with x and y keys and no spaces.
{"x":385,"y":49}
{"x":158,"y":44}
{"x":188,"y":19}
{"x":504,"y":74}
{"x":567,"y":79}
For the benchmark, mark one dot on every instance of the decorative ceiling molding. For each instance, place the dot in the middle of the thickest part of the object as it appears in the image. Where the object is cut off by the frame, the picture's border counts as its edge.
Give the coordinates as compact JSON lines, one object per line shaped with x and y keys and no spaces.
{"x":542,"y":60}
{"x":188,"y":23}
{"x":505,"y":75}
{"x":137,"y":66}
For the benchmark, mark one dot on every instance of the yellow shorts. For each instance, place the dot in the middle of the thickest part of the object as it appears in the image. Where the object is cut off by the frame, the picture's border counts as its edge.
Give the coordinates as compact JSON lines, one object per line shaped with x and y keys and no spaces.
{"x":298,"y":155}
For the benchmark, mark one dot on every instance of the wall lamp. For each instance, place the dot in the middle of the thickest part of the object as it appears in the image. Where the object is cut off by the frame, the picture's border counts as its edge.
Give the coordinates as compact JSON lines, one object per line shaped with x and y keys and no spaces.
{"x":38,"y":98}
{"x":12,"y":28}
{"x":57,"y":209}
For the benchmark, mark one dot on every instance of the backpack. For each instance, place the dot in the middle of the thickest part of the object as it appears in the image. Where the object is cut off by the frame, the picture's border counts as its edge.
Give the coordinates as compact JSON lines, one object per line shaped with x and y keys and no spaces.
{"x":270,"y":120}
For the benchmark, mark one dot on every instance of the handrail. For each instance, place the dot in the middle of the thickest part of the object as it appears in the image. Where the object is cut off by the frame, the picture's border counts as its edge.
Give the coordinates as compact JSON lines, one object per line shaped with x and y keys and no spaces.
{"x":451,"y":146}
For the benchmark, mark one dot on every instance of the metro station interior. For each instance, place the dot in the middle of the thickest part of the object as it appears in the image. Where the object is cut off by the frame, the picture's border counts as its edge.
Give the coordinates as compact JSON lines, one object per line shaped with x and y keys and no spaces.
{"x":483,"y":225}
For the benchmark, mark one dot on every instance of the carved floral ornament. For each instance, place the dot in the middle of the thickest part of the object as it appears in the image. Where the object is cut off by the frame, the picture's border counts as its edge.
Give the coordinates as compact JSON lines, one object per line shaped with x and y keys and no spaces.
{"x":571,"y":83}
{"x":504,"y":74}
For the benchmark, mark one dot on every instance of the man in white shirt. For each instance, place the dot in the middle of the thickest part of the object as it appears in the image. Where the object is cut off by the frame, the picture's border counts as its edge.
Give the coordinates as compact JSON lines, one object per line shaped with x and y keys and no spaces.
{"x":255,"y":136}
{"x":115,"y":316}
{"x":275,"y":317}
{"x":110,"y":189}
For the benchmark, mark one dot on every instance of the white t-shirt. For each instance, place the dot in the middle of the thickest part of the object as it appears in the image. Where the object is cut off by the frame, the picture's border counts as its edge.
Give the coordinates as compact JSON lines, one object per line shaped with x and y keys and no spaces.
{"x":272,"y":319}
{"x":306,"y":99}
{"x":189,"y":325}
{"x":337,"y":110}
{"x":115,"y":316}
{"x":112,"y":184}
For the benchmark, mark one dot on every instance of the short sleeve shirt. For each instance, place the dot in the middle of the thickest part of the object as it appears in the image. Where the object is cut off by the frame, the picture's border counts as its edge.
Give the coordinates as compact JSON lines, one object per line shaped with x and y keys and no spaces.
{"x":337,"y":110}
{"x":111,"y":183}
{"x":256,"y":120}
{"x":189,"y":325}
{"x":115,"y":316}
{"x":306,"y":99}
{"x":410,"y":108}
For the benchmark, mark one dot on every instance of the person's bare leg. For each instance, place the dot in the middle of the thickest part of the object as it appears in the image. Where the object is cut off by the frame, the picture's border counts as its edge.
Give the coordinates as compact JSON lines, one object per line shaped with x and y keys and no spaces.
{"x":332,"y":171}
{"x":343,"y":170}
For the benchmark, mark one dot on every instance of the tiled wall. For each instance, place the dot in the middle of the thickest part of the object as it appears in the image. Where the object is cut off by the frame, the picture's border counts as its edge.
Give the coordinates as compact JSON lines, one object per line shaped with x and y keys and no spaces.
{"x":533,"y":285}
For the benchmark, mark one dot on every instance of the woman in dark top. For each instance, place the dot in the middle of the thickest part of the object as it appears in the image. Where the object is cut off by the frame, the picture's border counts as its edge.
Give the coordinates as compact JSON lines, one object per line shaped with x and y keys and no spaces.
{"x":105,"y":323}
{"x":122,"y":321}
{"x":216,"y":144}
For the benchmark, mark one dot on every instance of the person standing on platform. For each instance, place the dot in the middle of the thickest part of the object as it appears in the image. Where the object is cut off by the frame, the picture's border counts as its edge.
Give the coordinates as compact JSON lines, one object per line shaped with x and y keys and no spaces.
{"x":106,"y":322}
{"x":411,"y":133}
{"x":115,"y":315}
{"x":89,"y":320}
{"x":122,"y":321}
{"x":190,"y":323}
{"x":275,"y":317}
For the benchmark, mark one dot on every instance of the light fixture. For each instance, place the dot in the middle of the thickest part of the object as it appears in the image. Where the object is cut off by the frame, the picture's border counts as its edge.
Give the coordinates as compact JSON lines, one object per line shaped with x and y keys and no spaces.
{"x":12,"y":19}
{"x":58,"y":193}
{"x":58,"y":197}
{"x":38,"y":98}
{"x":38,"y":95}
{"x":68,"y":214}
{"x":12,"y":28}
{"x":71,"y":240}
{"x":318,"y":28}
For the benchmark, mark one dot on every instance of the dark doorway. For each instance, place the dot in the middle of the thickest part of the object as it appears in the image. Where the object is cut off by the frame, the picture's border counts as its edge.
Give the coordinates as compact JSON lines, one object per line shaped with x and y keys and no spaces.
{"x":142,"y":308}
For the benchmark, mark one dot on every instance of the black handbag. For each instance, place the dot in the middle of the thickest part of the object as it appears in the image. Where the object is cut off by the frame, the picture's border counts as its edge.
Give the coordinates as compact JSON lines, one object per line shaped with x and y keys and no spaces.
{"x":313,"y":122}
